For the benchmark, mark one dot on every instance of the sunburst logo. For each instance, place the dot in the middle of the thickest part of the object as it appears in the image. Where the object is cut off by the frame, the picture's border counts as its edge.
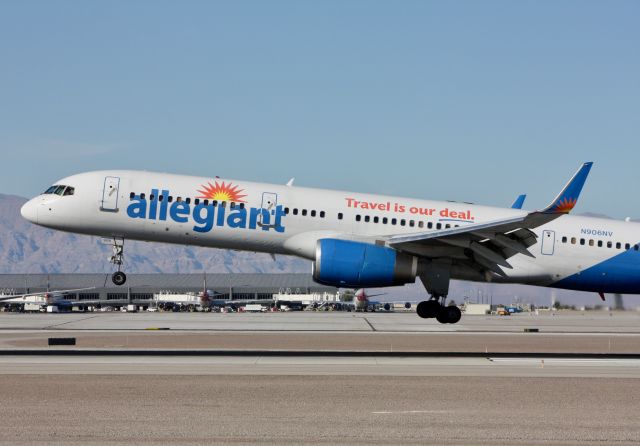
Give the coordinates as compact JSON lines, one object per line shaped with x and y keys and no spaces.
{"x":565,"y":205}
{"x":222,"y":192}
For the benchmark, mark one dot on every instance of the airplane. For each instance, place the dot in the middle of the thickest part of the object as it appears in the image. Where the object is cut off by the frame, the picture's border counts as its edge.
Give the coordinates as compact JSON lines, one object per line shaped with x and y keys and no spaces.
{"x":354,"y":240}
{"x":46,"y":298}
{"x":362,"y":302}
{"x":202,"y":301}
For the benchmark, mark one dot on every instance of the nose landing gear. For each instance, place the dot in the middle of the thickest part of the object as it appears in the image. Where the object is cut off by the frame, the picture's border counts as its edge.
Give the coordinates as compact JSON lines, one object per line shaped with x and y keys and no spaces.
{"x":119,"y":278}
{"x":117,"y":258}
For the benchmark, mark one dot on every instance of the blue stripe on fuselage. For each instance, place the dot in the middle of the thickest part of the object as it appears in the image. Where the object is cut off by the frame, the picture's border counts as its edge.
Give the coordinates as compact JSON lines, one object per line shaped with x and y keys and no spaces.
{"x":619,"y":274}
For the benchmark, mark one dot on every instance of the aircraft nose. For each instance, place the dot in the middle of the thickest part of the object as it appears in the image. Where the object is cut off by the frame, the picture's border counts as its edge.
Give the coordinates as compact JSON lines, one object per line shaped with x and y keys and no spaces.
{"x":29,"y":211}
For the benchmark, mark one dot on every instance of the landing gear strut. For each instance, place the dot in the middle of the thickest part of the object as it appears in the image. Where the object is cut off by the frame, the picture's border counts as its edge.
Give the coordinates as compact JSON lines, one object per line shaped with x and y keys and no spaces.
{"x":117,"y":258}
{"x":434,"y":309}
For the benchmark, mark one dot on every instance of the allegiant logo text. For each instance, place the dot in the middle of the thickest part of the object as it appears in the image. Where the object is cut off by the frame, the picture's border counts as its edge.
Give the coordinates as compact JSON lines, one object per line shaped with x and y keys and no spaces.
{"x":206,"y":216}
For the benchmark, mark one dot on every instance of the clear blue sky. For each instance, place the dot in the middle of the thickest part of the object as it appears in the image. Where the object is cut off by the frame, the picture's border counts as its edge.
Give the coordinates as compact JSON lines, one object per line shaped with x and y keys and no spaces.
{"x":476,"y":101}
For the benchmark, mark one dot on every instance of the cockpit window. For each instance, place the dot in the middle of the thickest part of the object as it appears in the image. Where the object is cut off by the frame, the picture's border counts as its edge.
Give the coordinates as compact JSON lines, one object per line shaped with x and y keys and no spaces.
{"x":59,"y":189}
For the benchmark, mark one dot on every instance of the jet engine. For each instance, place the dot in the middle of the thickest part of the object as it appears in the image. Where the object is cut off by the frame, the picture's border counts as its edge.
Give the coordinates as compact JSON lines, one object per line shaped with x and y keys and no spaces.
{"x":344,"y":263}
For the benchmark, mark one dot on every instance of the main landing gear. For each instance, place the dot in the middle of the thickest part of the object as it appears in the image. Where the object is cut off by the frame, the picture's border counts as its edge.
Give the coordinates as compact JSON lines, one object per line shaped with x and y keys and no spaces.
{"x":117,"y":258}
{"x":434,"y":309}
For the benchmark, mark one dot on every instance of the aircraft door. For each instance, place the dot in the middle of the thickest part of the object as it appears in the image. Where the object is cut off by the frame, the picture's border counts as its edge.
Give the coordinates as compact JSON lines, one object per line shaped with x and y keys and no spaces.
{"x":110,"y":194}
{"x":548,"y":242}
{"x":269,"y":202}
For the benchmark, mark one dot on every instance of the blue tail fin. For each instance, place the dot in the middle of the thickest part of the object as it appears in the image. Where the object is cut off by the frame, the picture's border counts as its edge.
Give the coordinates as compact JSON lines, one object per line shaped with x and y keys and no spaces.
{"x":567,"y":199}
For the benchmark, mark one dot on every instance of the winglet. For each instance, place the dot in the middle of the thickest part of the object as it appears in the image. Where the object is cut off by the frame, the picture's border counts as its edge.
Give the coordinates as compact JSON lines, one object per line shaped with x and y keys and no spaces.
{"x":519,"y":202}
{"x":567,"y":199}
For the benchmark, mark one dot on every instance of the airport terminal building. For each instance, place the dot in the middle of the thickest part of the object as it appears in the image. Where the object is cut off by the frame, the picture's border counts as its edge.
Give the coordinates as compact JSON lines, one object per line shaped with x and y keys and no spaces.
{"x":141,"y":288}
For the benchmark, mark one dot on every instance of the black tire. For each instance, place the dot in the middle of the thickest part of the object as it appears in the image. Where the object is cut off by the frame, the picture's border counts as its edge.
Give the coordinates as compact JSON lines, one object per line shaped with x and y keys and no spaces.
{"x":119,"y":278}
{"x":449,"y":315}
{"x":454,"y":314}
{"x":443,"y":315}
{"x":428,"y":309}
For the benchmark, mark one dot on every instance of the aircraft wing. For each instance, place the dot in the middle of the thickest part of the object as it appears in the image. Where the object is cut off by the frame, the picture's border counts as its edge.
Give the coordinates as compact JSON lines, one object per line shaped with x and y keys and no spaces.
{"x":488,"y":245}
{"x":17,"y":296}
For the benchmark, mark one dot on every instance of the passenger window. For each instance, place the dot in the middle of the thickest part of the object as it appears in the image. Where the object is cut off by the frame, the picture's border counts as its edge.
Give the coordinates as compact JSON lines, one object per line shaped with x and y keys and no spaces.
{"x":313,"y":213}
{"x":160,"y":197}
{"x":439,"y":226}
{"x":142,"y":196}
{"x":429,"y":225}
{"x":304,"y":212}
{"x":636,"y":247}
{"x":376,"y":219}
{"x":223,"y":204}
{"x":358,"y":218}
{"x":178,"y":199}
{"x":152,"y":197}
{"x":241,"y":205}
{"x":132,"y":195}
{"x":412,"y":223}
{"x":385,"y":220}
{"x":187,"y":200}
{"x":573,"y":240}
{"x":609,"y":244}
{"x":232,"y":205}
{"x":295,"y":211}
{"x":394,"y":221}
{"x":340,"y":216}
{"x":590,"y":242}
{"x":599,"y":243}
{"x":564,"y":240}
{"x":582,"y":241}
{"x":206,"y":202}
{"x":627,"y":246}
{"x":321,"y":214}
{"x":215,"y":203}
{"x":170,"y":199}
{"x":403,"y":222}
{"x":618,"y":245}
{"x":196,"y":201}
{"x":421,"y":224}
{"x":447,"y":226}
{"x":366,"y":218}
{"x":286,"y":211}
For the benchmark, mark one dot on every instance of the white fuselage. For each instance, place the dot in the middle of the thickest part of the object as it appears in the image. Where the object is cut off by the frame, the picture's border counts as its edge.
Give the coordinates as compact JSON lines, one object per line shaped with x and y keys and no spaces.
{"x":290,"y":220}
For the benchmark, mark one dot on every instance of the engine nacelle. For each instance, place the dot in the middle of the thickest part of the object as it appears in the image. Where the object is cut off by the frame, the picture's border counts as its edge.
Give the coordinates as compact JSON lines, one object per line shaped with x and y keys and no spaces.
{"x":344,"y":263}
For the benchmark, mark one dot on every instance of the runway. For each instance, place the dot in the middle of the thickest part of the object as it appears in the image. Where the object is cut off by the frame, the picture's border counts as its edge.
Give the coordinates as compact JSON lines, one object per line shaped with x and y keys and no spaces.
{"x":292,"y":379}
{"x":312,"y":410}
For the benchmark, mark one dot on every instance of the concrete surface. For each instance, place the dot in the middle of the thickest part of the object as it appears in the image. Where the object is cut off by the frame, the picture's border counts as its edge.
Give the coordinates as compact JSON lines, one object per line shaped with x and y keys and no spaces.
{"x":316,"y":410}
{"x":561,"y":322}
{"x":316,"y":400}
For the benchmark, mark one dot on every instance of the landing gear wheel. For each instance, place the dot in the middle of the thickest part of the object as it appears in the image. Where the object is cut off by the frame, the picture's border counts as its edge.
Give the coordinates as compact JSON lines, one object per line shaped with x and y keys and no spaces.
{"x":443,"y":315}
{"x":449,"y":315}
{"x":428,"y":308}
{"x":454,"y":314}
{"x":119,"y":278}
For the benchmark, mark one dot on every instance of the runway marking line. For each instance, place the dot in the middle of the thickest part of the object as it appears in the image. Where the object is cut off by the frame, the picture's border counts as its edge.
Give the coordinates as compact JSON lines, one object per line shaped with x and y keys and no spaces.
{"x":404,"y":412}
